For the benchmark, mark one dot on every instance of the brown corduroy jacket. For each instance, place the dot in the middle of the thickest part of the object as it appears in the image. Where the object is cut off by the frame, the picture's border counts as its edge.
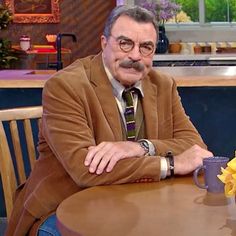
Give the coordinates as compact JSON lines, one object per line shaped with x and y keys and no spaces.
{"x":79,"y":110}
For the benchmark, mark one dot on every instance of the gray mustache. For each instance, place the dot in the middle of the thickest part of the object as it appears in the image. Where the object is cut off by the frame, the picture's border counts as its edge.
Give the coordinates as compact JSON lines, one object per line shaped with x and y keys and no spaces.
{"x":132,"y":64}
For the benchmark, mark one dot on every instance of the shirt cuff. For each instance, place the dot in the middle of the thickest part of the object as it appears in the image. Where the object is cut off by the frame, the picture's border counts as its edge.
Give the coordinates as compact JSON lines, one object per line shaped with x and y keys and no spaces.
{"x":164,"y":167}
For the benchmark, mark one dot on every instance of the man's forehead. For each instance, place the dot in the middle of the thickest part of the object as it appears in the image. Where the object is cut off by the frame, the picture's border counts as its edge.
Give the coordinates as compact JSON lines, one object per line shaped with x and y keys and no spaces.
{"x":128,"y":27}
{"x":126,"y":21}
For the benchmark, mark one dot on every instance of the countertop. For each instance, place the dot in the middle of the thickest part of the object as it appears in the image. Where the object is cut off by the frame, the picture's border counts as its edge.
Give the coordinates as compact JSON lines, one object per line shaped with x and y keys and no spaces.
{"x":201,"y":56}
{"x":184,"y":76}
{"x":24,"y":78}
{"x":193,"y":76}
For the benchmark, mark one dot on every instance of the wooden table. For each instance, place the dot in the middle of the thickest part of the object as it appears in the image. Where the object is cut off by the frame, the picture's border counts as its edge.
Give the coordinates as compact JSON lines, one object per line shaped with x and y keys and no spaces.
{"x":172,"y":207}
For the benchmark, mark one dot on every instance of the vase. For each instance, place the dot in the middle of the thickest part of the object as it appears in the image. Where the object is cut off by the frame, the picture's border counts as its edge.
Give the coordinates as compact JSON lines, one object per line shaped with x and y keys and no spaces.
{"x":163,"y":41}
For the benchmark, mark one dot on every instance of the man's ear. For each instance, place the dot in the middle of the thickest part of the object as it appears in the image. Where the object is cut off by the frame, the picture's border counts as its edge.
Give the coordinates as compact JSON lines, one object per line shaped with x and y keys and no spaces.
{"x":103,"y":42}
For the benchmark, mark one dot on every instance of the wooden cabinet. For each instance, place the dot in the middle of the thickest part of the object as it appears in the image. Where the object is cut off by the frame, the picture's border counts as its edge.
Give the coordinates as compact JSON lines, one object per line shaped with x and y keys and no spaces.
{"x":40,"y":57}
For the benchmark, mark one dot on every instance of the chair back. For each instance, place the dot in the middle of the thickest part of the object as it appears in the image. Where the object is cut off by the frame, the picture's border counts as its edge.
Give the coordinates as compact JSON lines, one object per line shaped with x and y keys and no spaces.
{"x":17,"y":148}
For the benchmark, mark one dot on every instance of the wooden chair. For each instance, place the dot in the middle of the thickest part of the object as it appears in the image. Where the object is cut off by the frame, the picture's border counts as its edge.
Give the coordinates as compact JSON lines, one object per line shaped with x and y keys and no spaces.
{"x":16,"y":139}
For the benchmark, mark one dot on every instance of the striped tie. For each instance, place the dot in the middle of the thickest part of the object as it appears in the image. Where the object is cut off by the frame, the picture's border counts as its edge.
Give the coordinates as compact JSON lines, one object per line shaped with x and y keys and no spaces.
{"x":129,"y":114}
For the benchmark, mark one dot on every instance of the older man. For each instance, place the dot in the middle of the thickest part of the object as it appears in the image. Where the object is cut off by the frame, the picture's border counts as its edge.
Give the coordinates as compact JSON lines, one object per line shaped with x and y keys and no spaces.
{"x":107,"y":119}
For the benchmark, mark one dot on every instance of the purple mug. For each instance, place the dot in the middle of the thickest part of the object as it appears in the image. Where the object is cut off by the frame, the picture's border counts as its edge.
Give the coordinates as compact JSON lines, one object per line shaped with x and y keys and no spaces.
{"x":211,"y":168}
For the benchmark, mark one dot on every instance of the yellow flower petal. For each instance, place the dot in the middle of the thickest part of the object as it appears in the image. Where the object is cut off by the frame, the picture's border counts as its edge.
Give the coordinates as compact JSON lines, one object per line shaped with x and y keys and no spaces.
{"x":228,"y":177}
{"x":222,"y":178}
{"x":230,"y":189}
{"x":232,"y":164}
{"x":227,"y":170}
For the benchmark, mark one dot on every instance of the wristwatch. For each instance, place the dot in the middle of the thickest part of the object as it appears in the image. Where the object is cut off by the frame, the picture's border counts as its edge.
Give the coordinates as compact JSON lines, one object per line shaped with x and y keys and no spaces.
{"x":145,"y":145}
{"x":171,"y":163}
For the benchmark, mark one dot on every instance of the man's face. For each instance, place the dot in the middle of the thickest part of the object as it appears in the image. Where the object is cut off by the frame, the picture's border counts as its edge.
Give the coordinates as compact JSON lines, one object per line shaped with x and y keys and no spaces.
{"x":129,"y":51}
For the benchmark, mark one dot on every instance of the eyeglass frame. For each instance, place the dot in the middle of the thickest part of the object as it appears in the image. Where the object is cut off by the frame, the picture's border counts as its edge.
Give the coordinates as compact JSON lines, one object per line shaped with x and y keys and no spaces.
{"x":126,"y":39}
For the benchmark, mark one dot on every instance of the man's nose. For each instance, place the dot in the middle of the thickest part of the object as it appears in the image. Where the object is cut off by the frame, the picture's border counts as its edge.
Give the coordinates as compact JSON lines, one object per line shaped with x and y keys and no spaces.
{"x":135,"y":54}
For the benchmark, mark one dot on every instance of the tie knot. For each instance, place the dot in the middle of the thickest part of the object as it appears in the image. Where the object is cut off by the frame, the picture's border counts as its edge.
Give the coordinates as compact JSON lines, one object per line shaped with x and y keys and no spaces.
{"x":128,"y":95}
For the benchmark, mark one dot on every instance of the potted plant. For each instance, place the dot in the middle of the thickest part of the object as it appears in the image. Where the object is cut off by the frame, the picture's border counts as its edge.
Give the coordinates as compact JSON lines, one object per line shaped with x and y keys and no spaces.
{"x":6,"y":53}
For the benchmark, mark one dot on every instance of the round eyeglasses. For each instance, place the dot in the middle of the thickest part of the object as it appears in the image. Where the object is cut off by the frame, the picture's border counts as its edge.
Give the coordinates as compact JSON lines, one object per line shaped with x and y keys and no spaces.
{"x":127,"y":45}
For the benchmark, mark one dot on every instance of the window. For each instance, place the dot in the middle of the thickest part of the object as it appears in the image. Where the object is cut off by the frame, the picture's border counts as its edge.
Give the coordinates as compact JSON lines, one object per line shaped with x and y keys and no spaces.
{"x":189,"y":11}
{"x":204,"y":11}
{"x":220,"y":11}
{"x":209,"y":11}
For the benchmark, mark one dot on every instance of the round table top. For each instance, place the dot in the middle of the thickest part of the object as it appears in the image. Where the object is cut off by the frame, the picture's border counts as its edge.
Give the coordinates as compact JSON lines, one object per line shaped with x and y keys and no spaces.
{"x":169,"y":207}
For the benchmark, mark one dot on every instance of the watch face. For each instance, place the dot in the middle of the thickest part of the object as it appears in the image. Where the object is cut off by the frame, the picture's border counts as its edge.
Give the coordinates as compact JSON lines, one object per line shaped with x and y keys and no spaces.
{"x":144,"y":145}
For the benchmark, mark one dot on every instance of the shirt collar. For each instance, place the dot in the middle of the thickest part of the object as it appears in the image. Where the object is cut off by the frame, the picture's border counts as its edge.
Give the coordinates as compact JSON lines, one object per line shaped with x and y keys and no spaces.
{"x":117,"y":87}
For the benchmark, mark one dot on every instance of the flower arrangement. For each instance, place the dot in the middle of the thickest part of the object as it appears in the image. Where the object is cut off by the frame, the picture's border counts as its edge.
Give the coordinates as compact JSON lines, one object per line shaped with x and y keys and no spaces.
{"x":228,"y":177}
{"x":164,"y":10}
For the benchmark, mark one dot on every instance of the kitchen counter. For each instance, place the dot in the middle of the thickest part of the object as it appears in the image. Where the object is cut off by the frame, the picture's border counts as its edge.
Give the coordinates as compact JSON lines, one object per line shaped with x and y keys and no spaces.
{"x":202,"y":76}
{"x":24,"y":78}
{"x":200,"y":56}
{"x":184,"y":76}
{"x":40,"y":57}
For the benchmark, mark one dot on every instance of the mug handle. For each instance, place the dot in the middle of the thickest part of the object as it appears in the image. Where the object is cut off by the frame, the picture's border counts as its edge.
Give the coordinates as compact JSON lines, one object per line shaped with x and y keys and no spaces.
{"x":195,"y":177}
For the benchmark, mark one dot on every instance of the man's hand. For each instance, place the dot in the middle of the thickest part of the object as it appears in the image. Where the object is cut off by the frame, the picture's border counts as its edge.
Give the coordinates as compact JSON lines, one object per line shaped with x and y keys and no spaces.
{"x":190,"y":159}
{"x":105,"y":155}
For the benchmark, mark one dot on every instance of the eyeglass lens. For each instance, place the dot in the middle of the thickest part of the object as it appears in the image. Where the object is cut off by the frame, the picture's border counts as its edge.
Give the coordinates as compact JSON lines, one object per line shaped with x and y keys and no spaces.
{"x":127,"y":45}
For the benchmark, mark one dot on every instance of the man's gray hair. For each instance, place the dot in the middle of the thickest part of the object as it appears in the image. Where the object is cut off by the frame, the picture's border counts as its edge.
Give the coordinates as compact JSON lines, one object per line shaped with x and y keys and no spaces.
{"x":137,"y":13}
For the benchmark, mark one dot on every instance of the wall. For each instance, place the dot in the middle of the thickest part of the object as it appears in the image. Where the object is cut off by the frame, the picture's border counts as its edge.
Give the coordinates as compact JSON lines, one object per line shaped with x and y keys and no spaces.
{"x":85,"y":18}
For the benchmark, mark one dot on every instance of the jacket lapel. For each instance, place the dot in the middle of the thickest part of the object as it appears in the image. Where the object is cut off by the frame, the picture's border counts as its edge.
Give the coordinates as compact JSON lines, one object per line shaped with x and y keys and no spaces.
{"x":150,"y":108}
{"x":103,"y":89}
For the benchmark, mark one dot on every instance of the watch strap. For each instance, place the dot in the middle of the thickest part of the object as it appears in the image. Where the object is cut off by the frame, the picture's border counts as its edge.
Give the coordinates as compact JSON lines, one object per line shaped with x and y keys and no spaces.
{"x":170,"y":157}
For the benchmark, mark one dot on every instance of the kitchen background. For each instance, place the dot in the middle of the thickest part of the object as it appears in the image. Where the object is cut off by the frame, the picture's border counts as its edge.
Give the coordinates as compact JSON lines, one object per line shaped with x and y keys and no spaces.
{"x":84,"y":18}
